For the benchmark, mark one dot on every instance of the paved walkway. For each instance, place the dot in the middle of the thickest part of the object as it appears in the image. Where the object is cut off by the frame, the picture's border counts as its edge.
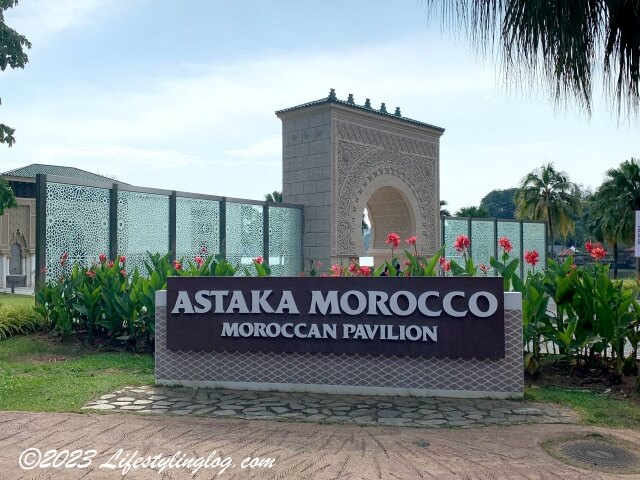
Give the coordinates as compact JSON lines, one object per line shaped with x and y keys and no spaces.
{"x":343,"y":409}
{"x":296,"y":450}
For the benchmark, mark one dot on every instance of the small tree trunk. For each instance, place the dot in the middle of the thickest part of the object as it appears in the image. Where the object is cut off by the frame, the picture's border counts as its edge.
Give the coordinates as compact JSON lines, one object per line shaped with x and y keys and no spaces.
{"x":615,"y":259}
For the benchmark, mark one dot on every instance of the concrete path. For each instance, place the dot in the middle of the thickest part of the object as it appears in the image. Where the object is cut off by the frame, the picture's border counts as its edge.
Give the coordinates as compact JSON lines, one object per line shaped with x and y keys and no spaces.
{"x":293,"y":450}
{"x":344,"y":409}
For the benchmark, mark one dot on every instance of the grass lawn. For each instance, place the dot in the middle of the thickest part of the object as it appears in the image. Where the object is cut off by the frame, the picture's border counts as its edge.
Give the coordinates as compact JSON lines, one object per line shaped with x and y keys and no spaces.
{"x":594,"y":408}
{"x":12,"y":300}
{"x":38,"y":373}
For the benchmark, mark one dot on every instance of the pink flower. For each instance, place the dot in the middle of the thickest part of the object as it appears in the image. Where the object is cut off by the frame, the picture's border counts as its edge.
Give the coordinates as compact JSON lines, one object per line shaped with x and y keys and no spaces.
{"x":411,"y":240}
{"x":531,"y":257}
{"x":335,"y":270}
{"x":407,"y":263}
{"x":353,"y":268}
{"x":259,"y":260}
{"x":393,"y":239}
{"x":91,"y":273}
{"x":444,"y":265}
{"x":324,"y":275}
{"x":505,"y":243}
{"x":462,"y":243}
{"x":598,"y":252}
{"x":123,"y":272}
{"x":177,"y":265}
{"x":102,"y":257}
{"x":365,"y":271}
{"x":199,"y":261}
{"x":63,"y":258}
{"x":122,"y":259}
{"x":318,"y":264}
{"x":483,"y":268}
{"x":110,"y":264}
{"x":44,"y":270}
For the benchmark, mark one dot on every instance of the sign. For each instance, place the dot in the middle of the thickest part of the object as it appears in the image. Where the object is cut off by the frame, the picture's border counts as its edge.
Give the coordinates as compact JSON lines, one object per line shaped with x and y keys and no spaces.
{"x":637,"y":233}
{"x":417,"y":316}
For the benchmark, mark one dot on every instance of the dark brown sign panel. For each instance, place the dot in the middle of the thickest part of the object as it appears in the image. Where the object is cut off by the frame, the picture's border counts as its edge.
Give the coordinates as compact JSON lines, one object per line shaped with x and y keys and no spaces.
{"x":417,"y":316}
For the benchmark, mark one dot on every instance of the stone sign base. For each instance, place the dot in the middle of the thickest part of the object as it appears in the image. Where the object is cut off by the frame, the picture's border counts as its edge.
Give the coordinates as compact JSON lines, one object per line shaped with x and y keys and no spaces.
{"x":348,"y":373}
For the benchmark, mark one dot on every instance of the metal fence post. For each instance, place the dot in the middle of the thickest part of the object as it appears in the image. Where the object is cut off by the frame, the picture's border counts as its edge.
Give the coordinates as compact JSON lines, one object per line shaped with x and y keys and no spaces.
{"x":41,"y":230}
{"x":113,"y":222}
{"x":223,"y":228}
{"x":173,"y":234}
{"x":265,"y":233}
{"x":521,"y":249}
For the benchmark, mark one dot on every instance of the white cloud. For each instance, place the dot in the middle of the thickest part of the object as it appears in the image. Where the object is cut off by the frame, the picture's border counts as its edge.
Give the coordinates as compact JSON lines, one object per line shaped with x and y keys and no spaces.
{"x":268,"y":147}
{"x":38,"y":19}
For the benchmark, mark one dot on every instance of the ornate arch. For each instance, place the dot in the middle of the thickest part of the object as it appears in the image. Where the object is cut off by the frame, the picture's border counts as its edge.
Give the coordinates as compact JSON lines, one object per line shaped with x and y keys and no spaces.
{"x":362,"y":169}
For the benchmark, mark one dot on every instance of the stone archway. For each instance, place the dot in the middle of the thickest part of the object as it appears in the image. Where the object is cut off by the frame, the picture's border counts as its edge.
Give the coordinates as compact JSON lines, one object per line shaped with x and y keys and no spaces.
{"x":392,"y":208}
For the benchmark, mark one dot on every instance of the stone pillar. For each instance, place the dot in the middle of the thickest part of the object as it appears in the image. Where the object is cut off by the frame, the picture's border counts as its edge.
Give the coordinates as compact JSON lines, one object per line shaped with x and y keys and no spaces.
{"x":4,"y":262}
{"x":337,"y":156}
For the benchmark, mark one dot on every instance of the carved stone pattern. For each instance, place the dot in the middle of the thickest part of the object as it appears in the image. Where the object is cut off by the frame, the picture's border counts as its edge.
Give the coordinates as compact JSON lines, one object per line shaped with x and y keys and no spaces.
{"x":388,"y":141}
{"x":19,"y":220}
{"x":358,"y":165}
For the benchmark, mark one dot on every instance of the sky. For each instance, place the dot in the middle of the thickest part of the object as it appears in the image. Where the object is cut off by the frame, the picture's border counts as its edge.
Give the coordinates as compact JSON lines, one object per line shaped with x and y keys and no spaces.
{"x":182,"y":95}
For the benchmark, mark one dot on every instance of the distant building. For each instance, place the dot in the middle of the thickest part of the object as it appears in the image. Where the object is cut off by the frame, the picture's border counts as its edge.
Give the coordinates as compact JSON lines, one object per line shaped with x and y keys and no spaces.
{"x":18,"y":225}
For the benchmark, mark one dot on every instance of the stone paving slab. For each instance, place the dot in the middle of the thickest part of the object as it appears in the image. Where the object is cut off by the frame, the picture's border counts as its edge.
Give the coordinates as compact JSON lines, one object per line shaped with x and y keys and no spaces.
{"x":344,"y":409}
{"x":298,"y":450}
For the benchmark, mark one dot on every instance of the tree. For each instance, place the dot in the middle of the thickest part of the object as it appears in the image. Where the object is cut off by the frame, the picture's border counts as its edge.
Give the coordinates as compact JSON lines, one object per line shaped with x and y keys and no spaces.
{"x":500,"y":203}
{"x":12,"y":46}
{"x":616,"y":202}
{"x":546,"y":194}
{"x":475,"y":212}
{"x":275,"y":197}
{"x":444,"y":212}
{"x":7,"y":198}
{"x":562,"y":44}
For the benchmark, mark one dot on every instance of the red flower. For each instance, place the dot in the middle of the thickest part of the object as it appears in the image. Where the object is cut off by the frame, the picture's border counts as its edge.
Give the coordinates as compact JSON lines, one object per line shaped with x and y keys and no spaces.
{"x":122,"y":259}
{"x":393,"y":239}
{"x":110,"y":264}
{"x":335,"y":270}
{"x":598,"y":252}
{"x":353,"y":268}
{"x":123,"y":272}
{"x":411,"y":240}
{"x":505,"y":244}
{"x":199,"y":261}
{"x":63,"y":258}
{"x":588,"y":246}
{"x":177,"y":265}
{"x":365,"y":271}
{"x":444,"y":265}
{"x":483,"y":268}
{"x":91,"y":273}
{"x":462,"y":243}
{"x":259,"y":260}
{"x":531,"y":257}
{"x":102,"y":257}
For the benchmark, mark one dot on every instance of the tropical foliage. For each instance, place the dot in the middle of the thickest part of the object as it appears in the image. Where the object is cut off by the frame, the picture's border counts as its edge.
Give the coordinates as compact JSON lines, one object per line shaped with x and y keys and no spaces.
{"x":12,"y":55}
{"x":561,"y":44}
{"x":547,"y":194}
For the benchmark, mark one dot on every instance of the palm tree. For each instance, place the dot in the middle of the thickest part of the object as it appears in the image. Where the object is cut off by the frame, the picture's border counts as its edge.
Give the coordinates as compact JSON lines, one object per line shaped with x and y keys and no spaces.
{"x":546,"y":194}
{"x":617,"y":199}
{"x":444,"y":212}
{"x":275,"y":197}
{"x":475,"y":212}
{"x":565,"y":44}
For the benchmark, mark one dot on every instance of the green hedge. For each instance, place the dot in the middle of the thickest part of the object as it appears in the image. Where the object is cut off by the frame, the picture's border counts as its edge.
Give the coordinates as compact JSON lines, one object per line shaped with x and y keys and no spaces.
{"x":18,"y":320}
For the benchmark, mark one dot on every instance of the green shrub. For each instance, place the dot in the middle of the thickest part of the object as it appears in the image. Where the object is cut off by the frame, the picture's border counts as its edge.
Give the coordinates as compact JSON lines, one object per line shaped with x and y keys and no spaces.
{"x":18,"y":320}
